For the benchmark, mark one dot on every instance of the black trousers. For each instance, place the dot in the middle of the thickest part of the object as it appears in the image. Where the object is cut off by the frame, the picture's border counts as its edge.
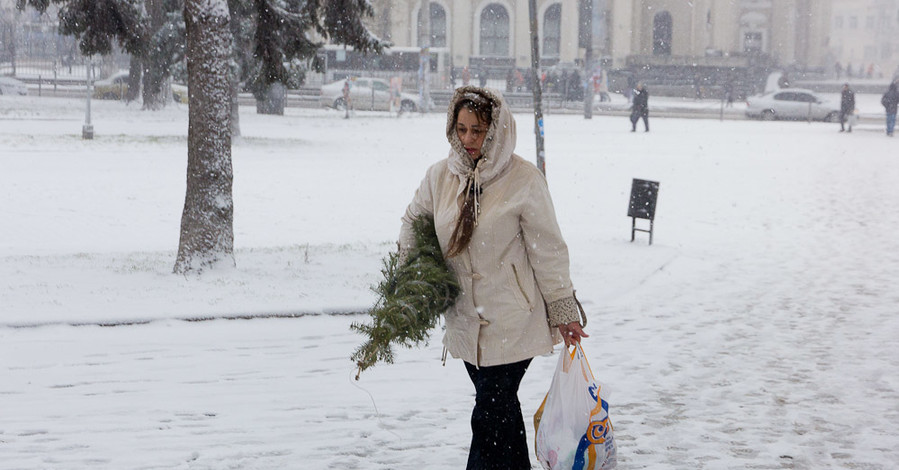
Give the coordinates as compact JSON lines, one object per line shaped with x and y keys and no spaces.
{"x":844,"y":116}
{"x":498,"y":437}
{"x":636,"y":118}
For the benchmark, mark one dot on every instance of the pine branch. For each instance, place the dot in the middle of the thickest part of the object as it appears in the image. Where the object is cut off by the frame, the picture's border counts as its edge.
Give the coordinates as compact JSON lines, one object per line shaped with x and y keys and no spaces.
{"x":411,"y":299}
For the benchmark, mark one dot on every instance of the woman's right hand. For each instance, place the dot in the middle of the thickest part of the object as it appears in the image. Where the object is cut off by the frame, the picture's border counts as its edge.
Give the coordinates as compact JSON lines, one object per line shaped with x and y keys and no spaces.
{"x":572,"y":333}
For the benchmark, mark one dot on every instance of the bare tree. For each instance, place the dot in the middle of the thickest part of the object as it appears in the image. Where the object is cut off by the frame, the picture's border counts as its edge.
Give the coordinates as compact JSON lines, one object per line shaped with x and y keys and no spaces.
{"x":207,"y":223}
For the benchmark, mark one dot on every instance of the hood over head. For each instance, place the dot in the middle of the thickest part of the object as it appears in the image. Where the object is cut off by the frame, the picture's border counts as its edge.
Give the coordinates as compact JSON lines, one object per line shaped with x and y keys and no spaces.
{"x":499,"y":143}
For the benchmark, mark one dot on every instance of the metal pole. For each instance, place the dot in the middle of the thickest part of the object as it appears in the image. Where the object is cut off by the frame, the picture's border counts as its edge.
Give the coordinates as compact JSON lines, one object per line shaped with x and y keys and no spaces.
{"x":587,"y":28}
{"x":723,"y":98}
{"x":538,"y":95}
{"x":425,"y":59}
{"x":87,"y":130}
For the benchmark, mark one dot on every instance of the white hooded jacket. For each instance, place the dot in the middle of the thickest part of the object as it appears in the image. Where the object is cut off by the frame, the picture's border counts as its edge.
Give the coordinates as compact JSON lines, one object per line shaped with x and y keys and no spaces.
{"x":516,"y":262}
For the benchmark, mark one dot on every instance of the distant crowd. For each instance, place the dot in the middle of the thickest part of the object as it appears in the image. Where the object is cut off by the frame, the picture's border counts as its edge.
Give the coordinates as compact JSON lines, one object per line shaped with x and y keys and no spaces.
{"x":870,"y":71}
{"x":569,"y":84}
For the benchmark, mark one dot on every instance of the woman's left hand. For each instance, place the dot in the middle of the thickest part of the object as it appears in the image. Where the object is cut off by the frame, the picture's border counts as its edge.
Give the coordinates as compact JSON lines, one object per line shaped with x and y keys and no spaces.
{"x":572,"y":333}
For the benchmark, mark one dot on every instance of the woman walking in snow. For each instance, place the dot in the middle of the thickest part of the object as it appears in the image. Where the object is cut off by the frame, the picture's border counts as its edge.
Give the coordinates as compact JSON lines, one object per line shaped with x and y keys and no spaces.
{"x":497,"y":229}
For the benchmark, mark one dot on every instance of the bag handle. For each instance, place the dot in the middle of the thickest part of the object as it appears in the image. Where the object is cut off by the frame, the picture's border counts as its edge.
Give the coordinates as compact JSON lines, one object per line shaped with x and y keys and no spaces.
{"x":580,"y":308}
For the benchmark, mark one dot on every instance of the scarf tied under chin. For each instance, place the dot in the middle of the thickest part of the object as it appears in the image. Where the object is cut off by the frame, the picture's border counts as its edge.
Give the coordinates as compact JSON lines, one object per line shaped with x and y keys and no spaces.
{"x":471,"y":179}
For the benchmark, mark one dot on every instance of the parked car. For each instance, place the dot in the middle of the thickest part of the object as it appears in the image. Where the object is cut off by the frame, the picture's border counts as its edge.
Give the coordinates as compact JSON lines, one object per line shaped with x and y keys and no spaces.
{"x":792,"y":103}
{"x":13,"y":87}
{"x":366,"y":94}
{"x":179,"y":93}
{"x":112,"y":88}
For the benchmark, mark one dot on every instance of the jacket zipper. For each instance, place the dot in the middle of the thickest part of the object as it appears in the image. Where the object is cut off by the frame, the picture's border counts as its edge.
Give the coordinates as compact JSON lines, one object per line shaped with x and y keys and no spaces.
{"x":520,"y":287}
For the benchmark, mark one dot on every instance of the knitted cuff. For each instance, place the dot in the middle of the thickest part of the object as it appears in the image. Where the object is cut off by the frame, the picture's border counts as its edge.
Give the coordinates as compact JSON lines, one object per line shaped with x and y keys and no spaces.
{"x":562,"y":311}
{"x":402,"y":254}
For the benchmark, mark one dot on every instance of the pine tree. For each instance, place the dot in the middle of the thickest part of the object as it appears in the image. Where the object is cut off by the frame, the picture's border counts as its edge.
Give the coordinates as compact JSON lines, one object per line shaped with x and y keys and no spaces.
{"x":282,"y":35}
{"x":97,"y":22}
{"x":280,"y":29}
{"x":411,"y":298}
{"x":270,"y":36}
{"x":165,"y":47}
{"x":152,"y":31}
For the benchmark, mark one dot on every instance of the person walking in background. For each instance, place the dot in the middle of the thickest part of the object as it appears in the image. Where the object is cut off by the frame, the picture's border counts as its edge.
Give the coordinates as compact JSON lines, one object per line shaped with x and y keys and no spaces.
{"x":847,"y":106}
{"x":640,"y":108}
{"x":697,"y":86}
{"x":482,"y":77}
{"x":519,"y":80}
{"x":396,"y":89}
{"x":575,"y":86}
{"x":498,"y":232}
{"x":729,"y":93}
{"x":347,"y":97}
{"x":890,"y":101}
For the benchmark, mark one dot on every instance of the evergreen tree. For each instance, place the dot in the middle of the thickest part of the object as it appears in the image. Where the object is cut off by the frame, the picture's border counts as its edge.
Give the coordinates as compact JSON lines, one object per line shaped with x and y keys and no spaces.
{"x":97,"y":22}
{"x":152,"y":31}
{"x":282,"y":30}
{"x":269,"y":36}
{"x":415,"y":291}
{"x":164,"y":48}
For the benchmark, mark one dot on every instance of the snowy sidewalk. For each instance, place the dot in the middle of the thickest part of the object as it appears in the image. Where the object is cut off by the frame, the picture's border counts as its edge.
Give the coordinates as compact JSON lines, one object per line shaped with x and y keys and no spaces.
{"x":758,"y":331}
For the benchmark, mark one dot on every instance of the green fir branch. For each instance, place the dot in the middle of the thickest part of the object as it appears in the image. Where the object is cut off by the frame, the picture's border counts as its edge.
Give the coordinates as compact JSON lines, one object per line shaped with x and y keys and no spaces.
{"x":411,"y":299}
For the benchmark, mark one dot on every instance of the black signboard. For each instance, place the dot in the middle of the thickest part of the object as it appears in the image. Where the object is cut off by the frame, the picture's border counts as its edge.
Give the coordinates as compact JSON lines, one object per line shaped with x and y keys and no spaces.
{"x":643,"y":204}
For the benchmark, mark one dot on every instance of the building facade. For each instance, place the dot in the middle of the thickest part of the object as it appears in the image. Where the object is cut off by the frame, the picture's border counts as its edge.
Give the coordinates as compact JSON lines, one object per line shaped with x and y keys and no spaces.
{"x":865,"y":37}
{"x":496,"y":32}
{"x":492,"y":33}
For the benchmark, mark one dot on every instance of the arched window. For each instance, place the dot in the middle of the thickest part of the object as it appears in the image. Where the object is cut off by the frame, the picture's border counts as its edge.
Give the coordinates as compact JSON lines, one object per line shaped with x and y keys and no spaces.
{"x":552,"y":30}
{"x":494,"y":30}
{"x":438,"y":26}
{"x":661,"y":34}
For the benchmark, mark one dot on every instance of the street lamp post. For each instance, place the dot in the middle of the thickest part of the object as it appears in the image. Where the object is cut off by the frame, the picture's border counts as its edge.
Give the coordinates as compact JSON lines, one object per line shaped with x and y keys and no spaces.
{"x":425,"y":57}
{"x":538,"y":95}
{"x":87,"y":130}
{"x":586,"y":39}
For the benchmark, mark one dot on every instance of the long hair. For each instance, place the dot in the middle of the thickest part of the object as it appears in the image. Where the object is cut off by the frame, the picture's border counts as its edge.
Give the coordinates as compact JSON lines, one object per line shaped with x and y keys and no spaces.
{"x":461,"y":237}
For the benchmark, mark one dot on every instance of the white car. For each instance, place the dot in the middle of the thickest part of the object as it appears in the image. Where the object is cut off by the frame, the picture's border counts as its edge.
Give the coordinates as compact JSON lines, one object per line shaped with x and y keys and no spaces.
{"x":11,"y":86}
{"x":792,"y":103}
{"x":366,"y":94}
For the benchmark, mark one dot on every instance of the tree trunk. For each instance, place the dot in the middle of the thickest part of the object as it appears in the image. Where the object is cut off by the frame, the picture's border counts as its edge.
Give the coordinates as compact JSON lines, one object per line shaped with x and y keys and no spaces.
{"x":207,"y":223}
{"x":273,"y":101}
{"x":235,"y":105}
{"x":134,"y":78}
{"x":157,"y":90}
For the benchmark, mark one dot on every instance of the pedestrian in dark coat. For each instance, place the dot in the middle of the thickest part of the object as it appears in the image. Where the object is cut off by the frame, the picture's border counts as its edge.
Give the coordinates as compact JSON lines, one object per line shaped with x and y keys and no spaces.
{"x":890,"y":101}
{"x":847,"y":106}
{"x":640,"y":108}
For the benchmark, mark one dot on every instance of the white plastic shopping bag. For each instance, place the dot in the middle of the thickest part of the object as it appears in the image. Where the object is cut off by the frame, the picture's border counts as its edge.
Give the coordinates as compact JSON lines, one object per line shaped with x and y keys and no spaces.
{"x":573,"y":427}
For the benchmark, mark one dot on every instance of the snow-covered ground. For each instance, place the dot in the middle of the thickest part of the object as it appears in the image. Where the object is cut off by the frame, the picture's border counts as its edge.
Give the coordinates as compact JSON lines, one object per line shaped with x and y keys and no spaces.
{"x":758,"y":331}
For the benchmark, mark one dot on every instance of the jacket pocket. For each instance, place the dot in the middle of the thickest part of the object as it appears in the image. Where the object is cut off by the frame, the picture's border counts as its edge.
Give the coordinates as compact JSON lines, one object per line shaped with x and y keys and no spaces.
{"x":523,"y":298}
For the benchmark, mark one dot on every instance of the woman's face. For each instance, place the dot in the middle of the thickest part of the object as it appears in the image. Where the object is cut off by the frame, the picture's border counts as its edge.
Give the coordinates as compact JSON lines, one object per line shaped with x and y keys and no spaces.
{"x":471,"y":131}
